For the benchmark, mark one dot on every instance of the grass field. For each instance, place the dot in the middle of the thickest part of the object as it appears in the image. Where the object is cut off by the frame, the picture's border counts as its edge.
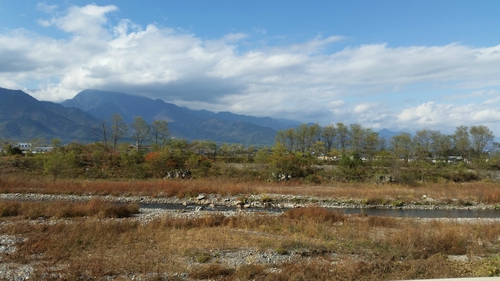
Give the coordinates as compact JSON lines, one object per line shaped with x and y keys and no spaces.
{"x":97,"y":240}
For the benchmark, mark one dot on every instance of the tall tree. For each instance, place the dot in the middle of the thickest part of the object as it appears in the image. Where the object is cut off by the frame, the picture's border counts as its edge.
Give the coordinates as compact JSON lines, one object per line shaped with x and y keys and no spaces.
{"x":328,"y":134}
{"x":287,"y":139}
{"x":402,"y":146}
{"x":481,"y":139}
{"x":441,"y":145}
{"x":356,"y":138}
{"x":119,"y":129}
{"x":302,"y":137}
{"x":314,"y":134}
{"x":372,"y":142}
{"x":159,"y":132}
{"x":103,"y":132}
{"x":461,"y":140}
{"x":342,"y":136}
{"x":140,"y":131}
{"x":423,"y":141}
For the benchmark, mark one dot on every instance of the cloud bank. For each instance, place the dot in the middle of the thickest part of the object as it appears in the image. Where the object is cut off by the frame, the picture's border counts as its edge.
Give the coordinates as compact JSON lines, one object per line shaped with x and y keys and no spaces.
{"x":374,"y":85}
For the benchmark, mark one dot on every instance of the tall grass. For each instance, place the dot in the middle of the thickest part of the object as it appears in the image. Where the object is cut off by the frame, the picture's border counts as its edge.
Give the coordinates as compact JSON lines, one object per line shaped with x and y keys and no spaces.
{"x":323,"y":245}
{"x":478,"y":192}
{"x":63,"y":209}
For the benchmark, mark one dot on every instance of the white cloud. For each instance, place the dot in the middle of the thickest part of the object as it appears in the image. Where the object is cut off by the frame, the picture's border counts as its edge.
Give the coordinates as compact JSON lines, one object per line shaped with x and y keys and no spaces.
{"x":432,"y":114}
{"x":44,"y":7}
{"x":300,"y":81}
{"x":87,"y":20}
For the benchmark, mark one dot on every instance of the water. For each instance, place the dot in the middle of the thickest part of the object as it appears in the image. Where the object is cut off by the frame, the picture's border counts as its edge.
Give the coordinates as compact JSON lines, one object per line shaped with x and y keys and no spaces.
{"x":425,"y":213}
{"x":410,"y":213}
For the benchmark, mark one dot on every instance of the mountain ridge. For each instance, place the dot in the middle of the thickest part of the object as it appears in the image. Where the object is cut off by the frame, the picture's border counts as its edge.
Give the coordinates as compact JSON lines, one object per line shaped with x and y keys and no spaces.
{"x":22,"y":117}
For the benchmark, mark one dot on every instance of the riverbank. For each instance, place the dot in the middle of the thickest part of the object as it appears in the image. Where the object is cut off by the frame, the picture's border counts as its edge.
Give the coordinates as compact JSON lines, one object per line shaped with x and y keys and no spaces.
{"x":213,"y":237}
{"x":262,"y":201}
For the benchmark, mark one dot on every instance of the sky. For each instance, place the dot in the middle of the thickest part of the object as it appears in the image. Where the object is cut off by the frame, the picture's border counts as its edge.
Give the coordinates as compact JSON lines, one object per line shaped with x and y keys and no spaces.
{"x":401,"y":65}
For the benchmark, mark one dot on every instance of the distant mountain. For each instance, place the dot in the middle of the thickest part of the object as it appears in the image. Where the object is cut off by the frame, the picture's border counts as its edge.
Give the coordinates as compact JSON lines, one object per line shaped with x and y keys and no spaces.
{"x":183,"y":122}
{"x":23,"y":117}
{"x":387,"y":134}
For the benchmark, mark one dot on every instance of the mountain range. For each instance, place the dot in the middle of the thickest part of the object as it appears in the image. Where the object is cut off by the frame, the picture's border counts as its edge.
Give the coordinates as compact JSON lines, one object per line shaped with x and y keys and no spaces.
{"x":22,"y":117}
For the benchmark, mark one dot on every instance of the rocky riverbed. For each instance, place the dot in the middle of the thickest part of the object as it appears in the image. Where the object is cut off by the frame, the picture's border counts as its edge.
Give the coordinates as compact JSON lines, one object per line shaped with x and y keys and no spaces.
{"x":263,"y":201}
{"x":268,"y":204}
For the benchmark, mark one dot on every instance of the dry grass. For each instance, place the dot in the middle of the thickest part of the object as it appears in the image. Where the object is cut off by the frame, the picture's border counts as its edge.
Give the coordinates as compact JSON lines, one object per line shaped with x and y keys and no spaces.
{"x":63,"y":209}
{"x":478,"y":192}
{"x":324,"y":245}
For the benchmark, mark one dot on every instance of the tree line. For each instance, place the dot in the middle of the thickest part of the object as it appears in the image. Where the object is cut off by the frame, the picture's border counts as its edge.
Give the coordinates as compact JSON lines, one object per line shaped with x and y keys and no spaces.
{"x":309,"y":152}
{"x":112,"y":132}
{"x":339,"y":139}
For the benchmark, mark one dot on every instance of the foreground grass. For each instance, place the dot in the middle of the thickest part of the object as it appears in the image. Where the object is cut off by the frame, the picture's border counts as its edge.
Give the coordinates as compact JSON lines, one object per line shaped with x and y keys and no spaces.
{"x":322,"y":245}
{"x":62,"y":209}
{"x":461,"y":193}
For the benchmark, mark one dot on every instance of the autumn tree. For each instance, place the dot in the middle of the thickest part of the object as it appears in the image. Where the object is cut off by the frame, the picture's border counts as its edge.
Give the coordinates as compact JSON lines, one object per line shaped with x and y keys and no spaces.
{"x":119,"y":129}
{"x":159,"y":132}
{"x":140,"y":131}
{"x":103,"y":132}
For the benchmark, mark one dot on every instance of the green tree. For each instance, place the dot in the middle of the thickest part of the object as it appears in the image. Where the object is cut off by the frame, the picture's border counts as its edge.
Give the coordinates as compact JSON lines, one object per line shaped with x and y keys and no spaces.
{"x":443,"y":143}
{"x":461,"y":140}
{"x":328,"y":135}
{"x":342,"y":136}
{"x":423,"y":141}
{"x":357,"y":137}
{"x":402,"y":146}
{"x":372,"y":142}
{"x":314,"y":134}
{"x":481,"y":140}
{"x":302,"y":137}
{"x":56,"y":143}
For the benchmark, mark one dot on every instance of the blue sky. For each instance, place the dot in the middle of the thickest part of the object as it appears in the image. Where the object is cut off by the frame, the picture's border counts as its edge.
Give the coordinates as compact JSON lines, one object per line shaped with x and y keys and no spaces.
{"x":401,"y":65}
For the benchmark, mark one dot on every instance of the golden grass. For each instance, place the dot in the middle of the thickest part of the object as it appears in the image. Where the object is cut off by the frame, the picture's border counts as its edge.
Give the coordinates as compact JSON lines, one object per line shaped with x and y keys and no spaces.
{"x":326,"y":246}
{"x":478,"y":192}
{"x":63,"y":209}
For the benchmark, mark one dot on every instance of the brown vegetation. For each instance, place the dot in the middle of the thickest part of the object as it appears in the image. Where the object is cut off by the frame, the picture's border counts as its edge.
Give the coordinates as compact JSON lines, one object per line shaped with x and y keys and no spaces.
{"x":462,"y":193}
{"x":62,"y":209}
{"x":322,"y":245}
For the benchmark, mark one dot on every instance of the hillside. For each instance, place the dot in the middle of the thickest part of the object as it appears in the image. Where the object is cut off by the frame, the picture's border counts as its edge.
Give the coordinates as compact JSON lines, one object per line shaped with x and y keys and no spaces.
{"x":22,"y":118}
{"x":183,"y":122}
